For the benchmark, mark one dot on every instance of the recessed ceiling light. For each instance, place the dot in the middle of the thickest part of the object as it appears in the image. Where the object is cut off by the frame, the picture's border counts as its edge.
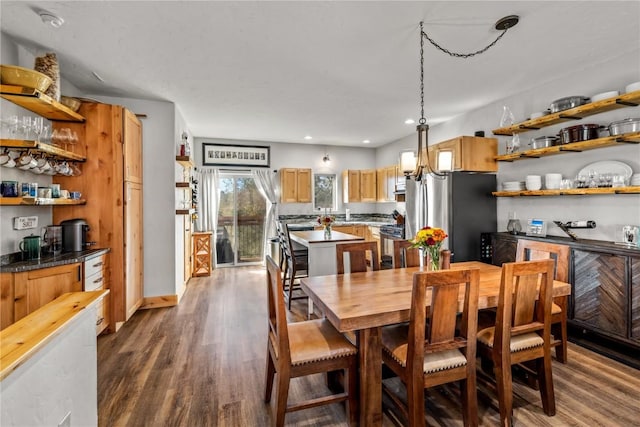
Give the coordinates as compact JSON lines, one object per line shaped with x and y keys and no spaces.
{"x":51,"y":19}
{"x":409,"y":122}
{"x":308,"y":137}
{"x":366,"y":141}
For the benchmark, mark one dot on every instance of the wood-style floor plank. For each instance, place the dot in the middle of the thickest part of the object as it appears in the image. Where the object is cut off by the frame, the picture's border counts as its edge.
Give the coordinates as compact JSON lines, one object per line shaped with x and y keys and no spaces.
{"x":202,"y":364}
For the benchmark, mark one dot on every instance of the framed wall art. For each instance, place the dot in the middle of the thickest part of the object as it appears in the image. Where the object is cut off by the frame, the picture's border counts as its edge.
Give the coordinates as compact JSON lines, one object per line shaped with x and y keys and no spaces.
{"x":235,"y":155}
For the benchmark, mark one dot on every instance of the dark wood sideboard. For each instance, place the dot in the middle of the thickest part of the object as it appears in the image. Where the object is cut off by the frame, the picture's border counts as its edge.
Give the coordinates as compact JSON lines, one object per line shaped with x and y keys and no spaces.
{"x":604,"y":306}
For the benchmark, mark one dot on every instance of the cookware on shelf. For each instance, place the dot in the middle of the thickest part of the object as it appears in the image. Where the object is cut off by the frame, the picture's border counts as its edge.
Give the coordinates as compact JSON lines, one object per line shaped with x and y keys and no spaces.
{"x":579,"y":133}
{"x":624,"y":126}
{"x":567,"y":103}
{"x":543,"y":141}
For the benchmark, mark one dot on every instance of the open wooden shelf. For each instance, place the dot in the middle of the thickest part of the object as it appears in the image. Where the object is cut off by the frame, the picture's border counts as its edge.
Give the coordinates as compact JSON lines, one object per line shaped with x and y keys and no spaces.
{"x":631,"y":99}
{"x":592,"y":144}
{"x":18,"y":201}
{"x":39,"y":103}
{"x":40,"y":147}
{"x":569,"y":192}
{"x":185,"y":161}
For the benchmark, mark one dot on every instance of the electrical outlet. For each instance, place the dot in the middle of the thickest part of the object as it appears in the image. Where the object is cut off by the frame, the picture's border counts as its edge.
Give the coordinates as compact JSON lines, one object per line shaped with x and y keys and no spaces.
{"x":25,"y":222}
{"x":66,"y":421}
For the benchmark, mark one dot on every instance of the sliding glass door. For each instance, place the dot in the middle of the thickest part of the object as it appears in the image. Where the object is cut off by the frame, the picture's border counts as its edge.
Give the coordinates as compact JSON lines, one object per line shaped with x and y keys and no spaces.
{"x":241,"y":215}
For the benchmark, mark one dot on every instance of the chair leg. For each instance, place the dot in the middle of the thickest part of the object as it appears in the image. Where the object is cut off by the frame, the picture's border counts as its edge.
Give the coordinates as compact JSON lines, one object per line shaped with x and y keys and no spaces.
{"x":270,"y":373}
{"x":545,"y":378}
{"x":291,"y":280}
{"x":504,"y":387}
{"x":415,"y":402}
{"x":561,"y":330}
{"x":468,"y":393}
{"x":353,"y":401}
{"x":282,"y":394}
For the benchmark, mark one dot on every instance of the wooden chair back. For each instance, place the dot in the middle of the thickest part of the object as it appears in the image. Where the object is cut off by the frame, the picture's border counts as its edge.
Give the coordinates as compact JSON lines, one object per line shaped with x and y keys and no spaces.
{"x":406,"y":256}
{"x":531,"y":250}
{"x":278,"y":333}
{"x":438,"y":324}
{"x":524,"y":303}
{"x":357,"y":253}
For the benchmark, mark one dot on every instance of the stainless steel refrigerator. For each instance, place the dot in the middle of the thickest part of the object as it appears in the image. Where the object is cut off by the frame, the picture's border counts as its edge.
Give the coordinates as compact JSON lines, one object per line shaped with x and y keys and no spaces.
{"x":460,"y":203}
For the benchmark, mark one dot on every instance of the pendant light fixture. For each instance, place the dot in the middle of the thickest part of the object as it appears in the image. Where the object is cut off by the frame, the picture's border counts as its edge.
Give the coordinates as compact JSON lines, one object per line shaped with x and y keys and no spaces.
{"x":445,"y":161}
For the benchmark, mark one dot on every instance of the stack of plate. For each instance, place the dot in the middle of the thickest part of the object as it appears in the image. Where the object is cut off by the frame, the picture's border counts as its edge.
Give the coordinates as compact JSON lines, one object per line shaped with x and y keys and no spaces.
{"x":513,"y":186}
{"x":635,"y":179}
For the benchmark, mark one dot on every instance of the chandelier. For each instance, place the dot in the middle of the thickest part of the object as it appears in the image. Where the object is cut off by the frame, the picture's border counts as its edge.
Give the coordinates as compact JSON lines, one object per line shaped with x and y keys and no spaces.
{"x":424,"y":165}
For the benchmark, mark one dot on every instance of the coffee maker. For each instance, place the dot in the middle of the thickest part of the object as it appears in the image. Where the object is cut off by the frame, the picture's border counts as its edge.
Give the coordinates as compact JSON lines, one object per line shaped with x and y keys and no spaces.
{"x":74,"y":235}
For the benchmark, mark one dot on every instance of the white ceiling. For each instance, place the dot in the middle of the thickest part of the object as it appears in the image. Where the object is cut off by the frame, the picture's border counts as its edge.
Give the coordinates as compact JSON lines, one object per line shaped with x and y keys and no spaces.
{"x":342,"y":72}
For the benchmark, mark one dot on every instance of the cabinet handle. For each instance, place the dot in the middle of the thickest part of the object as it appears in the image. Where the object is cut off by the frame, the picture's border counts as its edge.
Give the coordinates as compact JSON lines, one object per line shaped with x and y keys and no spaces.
{"x":97,"y":264}
{"x":79,"y":274}
{"x":100,"y":320}
{"x":98,"y":280}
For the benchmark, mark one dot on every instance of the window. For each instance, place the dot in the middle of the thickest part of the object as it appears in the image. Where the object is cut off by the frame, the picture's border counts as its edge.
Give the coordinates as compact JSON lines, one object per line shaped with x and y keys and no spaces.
{"x":324,"y":191}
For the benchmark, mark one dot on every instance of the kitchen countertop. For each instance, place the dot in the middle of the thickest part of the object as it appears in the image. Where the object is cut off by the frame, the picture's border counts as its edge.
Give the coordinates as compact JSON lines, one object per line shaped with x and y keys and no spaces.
{"x":577,"y":244}
{"x":293,"y":225}
{"x":52,"y":261}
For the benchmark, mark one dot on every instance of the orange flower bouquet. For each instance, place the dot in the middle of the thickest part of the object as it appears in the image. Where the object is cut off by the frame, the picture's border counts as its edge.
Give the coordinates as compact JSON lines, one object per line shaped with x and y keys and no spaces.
{"x":429,"y":240}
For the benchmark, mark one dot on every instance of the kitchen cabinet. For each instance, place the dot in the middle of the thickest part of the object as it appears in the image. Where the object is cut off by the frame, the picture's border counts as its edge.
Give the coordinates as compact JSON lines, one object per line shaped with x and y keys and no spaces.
{"x":35,"y":288}
{"x":295,"y":185}
{"x":599,"y":292}
{"x":202,"y":254}
{"x":635,"y":300}
{"x":468,"y":153}
{"x":386,"y":184}
{"x":359,"y":185}
{"x":503,"y":249}
{"x":95,"y":279}
{"x":112,"y":182}
{"x":6,"y":300}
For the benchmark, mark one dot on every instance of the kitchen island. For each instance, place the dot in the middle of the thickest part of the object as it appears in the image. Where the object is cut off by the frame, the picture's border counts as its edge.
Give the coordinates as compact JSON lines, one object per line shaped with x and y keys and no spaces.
{"x":322,"y":252}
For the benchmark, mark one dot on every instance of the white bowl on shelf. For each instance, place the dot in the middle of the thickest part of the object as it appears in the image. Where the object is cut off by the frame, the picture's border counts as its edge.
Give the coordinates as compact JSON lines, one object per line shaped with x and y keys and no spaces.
{"x":604,"y":95}
{"x":632,"y":87}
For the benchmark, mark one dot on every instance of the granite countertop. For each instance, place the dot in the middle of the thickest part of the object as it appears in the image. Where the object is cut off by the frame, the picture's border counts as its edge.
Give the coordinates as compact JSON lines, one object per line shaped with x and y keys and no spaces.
{"x":293,"y":225}
{"x":52,"y":261}
{"x":578,"y":244}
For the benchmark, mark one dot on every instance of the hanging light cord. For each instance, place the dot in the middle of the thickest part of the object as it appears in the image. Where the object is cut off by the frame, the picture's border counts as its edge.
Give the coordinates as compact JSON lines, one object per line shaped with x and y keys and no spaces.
{"x":504,"y":24}
{"x":462,"y":55}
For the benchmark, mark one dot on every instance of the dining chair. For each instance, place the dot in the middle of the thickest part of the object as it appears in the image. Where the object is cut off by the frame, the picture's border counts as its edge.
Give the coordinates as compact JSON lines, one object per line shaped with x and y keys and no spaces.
{"x":304,"y":348}
{"x":529,"y":250}
{"x":430,"y":350}
{"x":357,"y":253}
{"x":297,"y":266}
{"x":406,"y":256}
{"x":522,"y":332}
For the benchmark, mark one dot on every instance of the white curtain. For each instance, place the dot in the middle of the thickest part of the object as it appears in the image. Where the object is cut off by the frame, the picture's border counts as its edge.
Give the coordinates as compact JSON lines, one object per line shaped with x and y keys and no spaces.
{"x":268,"y":186}
{"x":209,"y":194}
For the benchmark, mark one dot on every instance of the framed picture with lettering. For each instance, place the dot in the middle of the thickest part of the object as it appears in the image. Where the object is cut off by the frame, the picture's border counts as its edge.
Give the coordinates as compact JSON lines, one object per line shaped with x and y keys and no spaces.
{"x":235,"y":155}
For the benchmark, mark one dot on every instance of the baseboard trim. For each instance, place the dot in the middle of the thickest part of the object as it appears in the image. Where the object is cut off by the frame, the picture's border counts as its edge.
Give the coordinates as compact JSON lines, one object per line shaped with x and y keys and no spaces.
{"x":163,"y":300}
{"x":159,"y":301}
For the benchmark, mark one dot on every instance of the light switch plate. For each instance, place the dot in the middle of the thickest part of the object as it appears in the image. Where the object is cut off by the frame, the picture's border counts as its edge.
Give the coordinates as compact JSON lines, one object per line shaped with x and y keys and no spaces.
{"x":25,"y":222}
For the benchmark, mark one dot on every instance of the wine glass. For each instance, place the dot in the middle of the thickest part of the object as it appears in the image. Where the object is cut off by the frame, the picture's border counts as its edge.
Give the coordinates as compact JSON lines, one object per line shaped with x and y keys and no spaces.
{"x":38,"y":127}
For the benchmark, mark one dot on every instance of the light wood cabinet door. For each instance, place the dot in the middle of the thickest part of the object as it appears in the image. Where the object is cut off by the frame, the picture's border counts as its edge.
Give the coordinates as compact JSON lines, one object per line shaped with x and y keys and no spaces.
{"x":469,"y":153}
{"x":381,"y":185}
{"x":6,"y":300}
{"x":303,"y":185}
{"x":132,"y":147}
{"x":133,"y":246}
{"x":202,"y":254}
{"x":351,"y":186}
{"x":288,"y":185}
{"x":368,"y":185}
{"x":33,"y":289}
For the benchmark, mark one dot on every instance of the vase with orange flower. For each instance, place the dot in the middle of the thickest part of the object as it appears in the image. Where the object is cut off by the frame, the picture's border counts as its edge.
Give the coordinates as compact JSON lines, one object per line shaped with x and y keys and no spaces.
{"x":429,"y":241}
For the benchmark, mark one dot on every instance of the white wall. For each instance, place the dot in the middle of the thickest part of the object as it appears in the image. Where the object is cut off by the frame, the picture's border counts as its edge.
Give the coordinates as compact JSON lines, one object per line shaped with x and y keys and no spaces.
{"x":60,"y":378}
{"x":284,"y":155}
{"x":609,"y":211}
{"x":158,"y":161}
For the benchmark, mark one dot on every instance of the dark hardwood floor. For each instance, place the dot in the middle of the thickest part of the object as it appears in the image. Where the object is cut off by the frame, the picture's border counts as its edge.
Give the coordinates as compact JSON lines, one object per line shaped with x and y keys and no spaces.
{"x":202,"y":364}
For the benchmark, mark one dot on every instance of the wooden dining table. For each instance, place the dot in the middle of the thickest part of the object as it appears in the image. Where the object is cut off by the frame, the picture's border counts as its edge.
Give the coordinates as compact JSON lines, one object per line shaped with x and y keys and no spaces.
{"x":364,"y":302}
